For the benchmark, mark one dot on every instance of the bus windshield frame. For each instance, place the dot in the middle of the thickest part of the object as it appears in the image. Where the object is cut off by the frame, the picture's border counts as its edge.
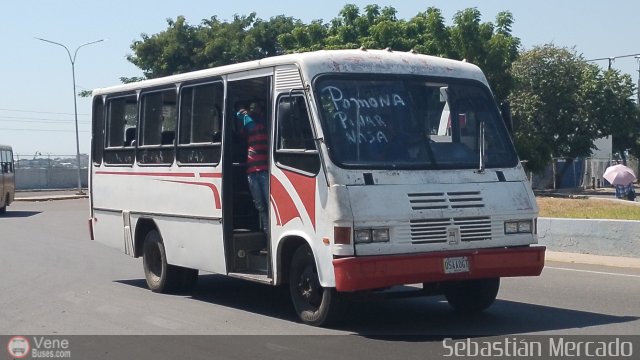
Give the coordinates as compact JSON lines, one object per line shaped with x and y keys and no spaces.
{"x":408,"y":122}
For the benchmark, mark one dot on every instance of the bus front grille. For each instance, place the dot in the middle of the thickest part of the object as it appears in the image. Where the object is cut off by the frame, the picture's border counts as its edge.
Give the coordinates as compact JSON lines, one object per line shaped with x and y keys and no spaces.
{"x":431,"y":231}
{"x":445,"y":200}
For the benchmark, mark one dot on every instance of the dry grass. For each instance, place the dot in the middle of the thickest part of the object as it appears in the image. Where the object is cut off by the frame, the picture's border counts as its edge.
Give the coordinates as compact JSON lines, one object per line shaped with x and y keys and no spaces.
{"x":587,"y":208}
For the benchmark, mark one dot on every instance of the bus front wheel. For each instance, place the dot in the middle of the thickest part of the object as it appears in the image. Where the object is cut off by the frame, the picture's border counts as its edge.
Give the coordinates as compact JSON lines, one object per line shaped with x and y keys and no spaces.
{"x":162,"y":277}
{"x":471,"y":296}
{"x":314,"y":304}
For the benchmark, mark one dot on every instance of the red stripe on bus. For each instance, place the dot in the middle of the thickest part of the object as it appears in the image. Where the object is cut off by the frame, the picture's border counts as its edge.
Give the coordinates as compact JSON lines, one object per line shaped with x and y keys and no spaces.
{"x":135,"y":173}
{"x":284,"y":206}
{"x":211,"y":175}
{"x":213,"y":187}
{"x":306,"y":188}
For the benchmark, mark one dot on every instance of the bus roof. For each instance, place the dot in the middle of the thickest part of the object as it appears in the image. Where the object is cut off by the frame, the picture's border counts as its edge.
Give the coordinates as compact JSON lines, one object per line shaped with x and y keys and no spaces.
{"x":329,"y":61}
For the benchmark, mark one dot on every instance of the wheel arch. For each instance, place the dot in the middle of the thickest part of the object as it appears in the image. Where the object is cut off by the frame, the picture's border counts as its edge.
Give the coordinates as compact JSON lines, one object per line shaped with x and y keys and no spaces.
{"x":143,"y":226}
{"x":286,"y":247}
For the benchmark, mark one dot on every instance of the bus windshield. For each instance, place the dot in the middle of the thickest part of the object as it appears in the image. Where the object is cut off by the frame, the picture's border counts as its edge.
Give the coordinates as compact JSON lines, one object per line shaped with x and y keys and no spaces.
{"x":384,"y":122}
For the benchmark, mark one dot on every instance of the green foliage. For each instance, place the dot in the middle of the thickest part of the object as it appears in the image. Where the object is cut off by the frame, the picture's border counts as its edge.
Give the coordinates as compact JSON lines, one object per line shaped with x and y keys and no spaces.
{"x":561,"y":104}
{"x":552,"y":85}
{"x":618,"y":112}
{"x":183,"y":47}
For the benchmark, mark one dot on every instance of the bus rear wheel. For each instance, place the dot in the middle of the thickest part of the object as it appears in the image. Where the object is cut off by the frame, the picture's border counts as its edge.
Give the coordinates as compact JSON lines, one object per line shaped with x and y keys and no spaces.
{"x":160,"y":276}
{"x":3,"y":209}
{"x":314,"y":304}
{"x":471,"y":296}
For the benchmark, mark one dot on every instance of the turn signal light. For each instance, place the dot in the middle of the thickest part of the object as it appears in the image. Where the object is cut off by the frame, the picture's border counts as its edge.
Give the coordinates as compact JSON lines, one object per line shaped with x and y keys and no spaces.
{"x":342,"y":235}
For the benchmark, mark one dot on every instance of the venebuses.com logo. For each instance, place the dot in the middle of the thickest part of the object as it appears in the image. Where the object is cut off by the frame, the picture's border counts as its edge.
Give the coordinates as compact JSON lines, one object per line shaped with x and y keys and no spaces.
{"x":42,"y":347}
{"x":18,"y":347}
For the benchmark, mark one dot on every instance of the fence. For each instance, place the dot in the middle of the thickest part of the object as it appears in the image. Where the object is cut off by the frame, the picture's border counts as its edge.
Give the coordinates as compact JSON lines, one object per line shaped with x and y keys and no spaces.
{"x":565,"y":173}
{"x":50,"y":171}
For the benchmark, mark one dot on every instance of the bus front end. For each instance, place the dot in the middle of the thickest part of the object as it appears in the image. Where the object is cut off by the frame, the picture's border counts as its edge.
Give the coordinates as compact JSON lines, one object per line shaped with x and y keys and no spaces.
{"x":434,"y":187}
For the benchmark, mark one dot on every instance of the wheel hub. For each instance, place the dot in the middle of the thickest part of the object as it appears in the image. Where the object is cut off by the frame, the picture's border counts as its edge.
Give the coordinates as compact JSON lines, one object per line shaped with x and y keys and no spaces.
{"x":310,"y":287}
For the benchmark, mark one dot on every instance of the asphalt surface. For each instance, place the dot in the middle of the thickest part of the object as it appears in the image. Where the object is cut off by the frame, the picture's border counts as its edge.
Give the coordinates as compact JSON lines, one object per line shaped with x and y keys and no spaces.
{"x":605,"y":193}
{"x":57,"y":283}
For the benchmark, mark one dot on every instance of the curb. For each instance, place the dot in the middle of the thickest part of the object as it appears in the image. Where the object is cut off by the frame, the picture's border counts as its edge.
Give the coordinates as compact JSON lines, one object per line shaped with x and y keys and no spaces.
{"x":50,"y":198}
{"x":590,"y":259}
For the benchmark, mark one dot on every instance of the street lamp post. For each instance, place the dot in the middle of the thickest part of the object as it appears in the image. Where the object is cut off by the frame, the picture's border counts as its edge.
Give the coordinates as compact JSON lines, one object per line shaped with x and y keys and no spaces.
{"x":638,"y":88}
{"x":75,"y":102}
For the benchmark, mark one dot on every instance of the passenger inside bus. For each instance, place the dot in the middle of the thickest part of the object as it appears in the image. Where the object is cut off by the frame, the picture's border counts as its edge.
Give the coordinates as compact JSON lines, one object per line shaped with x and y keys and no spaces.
{"x":255,"y":130}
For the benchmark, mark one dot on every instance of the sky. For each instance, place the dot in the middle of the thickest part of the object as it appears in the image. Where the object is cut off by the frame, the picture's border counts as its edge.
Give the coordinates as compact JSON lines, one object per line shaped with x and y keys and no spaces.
{"x":36,"y":88}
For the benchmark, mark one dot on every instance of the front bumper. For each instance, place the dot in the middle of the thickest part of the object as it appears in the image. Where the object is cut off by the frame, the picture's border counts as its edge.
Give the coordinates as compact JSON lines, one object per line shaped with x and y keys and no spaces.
{"x":374,"y":272}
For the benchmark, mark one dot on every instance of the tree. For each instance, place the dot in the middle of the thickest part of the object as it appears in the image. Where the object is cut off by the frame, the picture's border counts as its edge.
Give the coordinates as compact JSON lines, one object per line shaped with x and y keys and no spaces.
{"x":561,"y":104}
{"x":169,"y":52}
{"x":183,"y":47}
{"x":617,"y":111}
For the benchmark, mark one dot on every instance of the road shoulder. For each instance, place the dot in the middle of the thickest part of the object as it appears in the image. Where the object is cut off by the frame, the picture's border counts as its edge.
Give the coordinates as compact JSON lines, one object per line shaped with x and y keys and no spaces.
{"x":614,"y":261}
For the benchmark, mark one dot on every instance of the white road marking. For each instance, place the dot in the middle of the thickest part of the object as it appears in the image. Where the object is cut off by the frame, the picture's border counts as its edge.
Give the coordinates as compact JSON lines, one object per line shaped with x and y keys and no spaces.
{"x":592,"y":272}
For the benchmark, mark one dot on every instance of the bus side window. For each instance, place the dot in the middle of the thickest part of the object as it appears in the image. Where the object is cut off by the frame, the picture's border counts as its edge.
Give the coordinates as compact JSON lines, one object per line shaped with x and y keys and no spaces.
{"x":97,"y":145}
{"x":200,"y":124}
{"x":158,"y":121}
{"x":122,"y":115}
{"x":295,"y":143}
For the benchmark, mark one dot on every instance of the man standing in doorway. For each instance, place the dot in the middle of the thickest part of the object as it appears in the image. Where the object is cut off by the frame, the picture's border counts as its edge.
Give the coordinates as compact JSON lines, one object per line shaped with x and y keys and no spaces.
{"x":255,"y":129}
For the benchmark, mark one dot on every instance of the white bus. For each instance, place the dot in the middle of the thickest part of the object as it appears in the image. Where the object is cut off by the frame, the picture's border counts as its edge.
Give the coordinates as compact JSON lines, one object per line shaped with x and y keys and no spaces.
{"x":7,"y":178}
{"x":385,"y":168}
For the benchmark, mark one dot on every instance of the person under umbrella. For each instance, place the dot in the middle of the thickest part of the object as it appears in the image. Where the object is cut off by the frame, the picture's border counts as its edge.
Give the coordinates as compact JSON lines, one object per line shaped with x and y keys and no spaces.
{"x":622,"y":177}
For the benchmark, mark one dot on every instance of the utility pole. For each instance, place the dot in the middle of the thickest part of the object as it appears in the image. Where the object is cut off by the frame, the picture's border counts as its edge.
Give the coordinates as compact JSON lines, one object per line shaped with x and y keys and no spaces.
{"x":638,"y":88}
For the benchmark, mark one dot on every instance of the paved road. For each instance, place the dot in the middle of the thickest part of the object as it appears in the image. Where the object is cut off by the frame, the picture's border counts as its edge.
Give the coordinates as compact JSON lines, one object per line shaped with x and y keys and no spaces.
{"x":56,"y":281}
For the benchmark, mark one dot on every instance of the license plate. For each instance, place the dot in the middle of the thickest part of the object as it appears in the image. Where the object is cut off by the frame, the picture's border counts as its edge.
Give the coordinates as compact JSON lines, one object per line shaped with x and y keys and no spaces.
{"x":456,"y":265}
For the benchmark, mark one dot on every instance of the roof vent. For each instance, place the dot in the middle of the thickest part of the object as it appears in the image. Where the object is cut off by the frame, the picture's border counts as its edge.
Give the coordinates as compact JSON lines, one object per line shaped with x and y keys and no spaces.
{"x":362,"y":48}
{"x":389,"y":49}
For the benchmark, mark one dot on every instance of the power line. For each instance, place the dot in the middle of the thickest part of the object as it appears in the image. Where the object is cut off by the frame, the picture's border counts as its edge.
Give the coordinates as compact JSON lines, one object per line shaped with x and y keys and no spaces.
{"x":43,"y":130}
{"x":613,"y":58}
{"x":40,"y":112}
{"x":36,"y":120}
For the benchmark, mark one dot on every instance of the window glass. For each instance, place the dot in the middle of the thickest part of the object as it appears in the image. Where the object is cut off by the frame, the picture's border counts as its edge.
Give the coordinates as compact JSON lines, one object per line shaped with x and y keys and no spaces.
{"x":98,"y":130}
{"x":122,"y":118}
{"x":295,"y":143}
{"x":4,"y":167}
{"x":412,"y":122}
{"x":159,"y":115}
{"x":201,"y":123}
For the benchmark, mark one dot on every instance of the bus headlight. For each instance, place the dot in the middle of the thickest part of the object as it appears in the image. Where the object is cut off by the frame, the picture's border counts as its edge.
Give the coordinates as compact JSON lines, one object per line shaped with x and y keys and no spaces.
{"x":380,"y":235}
{"x":371,"y":235}
{"x":518,"y":227}
{"x":362,"y":236}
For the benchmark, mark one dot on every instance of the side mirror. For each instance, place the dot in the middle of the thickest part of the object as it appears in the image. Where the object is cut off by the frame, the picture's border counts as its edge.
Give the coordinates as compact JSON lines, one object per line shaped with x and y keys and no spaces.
{"x":505,"y":110}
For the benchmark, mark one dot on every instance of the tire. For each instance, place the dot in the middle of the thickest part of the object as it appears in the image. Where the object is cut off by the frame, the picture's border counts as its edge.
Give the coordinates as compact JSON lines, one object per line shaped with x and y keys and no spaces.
{"x":471,"y":296}
{"x":3,"y":209}
{"x":314,"y":304}
{"x":162,"y":277}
